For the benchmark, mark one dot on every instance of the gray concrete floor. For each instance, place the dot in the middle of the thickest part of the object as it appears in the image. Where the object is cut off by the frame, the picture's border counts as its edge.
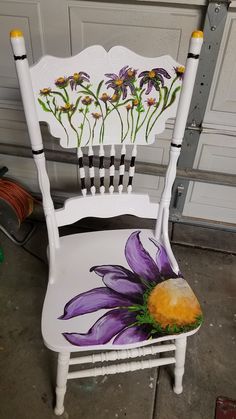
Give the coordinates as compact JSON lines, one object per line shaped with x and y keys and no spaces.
{"x":28,"y":369}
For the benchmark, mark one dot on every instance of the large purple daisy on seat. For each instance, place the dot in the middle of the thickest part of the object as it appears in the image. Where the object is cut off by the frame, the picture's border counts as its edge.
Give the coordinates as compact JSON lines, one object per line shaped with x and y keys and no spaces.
{"x":148,"y":301}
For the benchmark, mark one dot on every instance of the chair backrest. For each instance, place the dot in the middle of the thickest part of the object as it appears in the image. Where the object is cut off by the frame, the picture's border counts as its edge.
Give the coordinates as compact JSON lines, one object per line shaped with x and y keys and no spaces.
{"x":106,"y":98}
{"x":114,"y":99}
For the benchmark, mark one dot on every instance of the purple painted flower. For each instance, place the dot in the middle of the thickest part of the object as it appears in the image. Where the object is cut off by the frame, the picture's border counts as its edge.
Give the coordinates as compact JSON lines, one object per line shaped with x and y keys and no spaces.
{"x":153,"y":79}
{"x":78,"y":78}
{"x":61,"y":82}
{"x":122,"y":81}
{"x":179,"y":71}
{"x":142,"y":302}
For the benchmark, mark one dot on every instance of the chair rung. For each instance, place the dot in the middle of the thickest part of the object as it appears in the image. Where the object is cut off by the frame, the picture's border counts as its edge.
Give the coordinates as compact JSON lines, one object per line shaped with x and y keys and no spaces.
{"x":119,"y":368}
{"x":122,"y":354}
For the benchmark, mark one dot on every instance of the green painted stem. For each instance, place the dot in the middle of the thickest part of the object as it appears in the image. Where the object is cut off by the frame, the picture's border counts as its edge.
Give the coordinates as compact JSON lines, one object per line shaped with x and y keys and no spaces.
{"x":82,"y":127}
{"x":132,"y":122}
{"x":168,"y":95}
{"x":67,"y":96}
{"x":144,"y":119}
{"x":74,"y":129}
{"x":101,"y":134}
{"x":150,"y":118}
{"x":121,"y":122}
{"x":93,"y":129}
{"x":61,"y":95}
{"x":128,"y":126}
{"x":58,"y":118}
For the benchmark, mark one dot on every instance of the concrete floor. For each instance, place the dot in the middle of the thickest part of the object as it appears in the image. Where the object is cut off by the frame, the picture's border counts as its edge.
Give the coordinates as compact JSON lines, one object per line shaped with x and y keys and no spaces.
{"x":28,"y":368}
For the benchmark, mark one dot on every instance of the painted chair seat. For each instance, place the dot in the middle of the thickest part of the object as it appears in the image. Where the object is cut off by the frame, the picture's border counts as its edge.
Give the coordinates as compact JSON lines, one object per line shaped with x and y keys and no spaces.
{"x":115,"y":290}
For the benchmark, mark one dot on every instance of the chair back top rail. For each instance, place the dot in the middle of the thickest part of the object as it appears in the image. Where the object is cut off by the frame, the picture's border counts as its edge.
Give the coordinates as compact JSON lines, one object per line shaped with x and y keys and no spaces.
{"x":99,"y":97}
{"x":103,"y":97}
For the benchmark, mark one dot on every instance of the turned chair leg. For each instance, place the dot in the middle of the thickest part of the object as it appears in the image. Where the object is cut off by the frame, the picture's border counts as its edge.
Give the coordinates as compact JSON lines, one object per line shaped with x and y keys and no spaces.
{"x":62,"y":373}
{"x":179,"y":363}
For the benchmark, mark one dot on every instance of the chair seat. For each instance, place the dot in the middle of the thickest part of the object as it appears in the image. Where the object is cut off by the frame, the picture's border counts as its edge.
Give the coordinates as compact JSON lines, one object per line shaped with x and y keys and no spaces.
{"x":99,"y":264}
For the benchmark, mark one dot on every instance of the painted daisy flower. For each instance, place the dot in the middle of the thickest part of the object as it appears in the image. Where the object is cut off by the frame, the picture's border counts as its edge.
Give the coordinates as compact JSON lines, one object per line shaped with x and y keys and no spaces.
{"x":78,"y":78}
{"x":135,"y":102}
{"x":96,"y":115}
{"x":114,"y":98}
{"x":122,"y":81}
{"x":153,"y":78}
{"x":179,"y":71}
{"x":87,"y":100}
{"x":105,"y":97}
{"x":151,"y":101}
{"x":131,"y":73}
{"x":68,"y":107}
{"x":46,"y":91}
{"x":128,"y":107}
{"x":145,"y":302}
{"x":62,"y":82}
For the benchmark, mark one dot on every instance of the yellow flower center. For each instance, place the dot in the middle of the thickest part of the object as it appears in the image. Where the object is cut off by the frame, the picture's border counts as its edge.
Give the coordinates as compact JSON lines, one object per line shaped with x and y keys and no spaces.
{"x":118,"y":82}
{"x":172,"y":302}
{"x":151,"y":101}
{"x":151,"y":74}
{"x":45,"y":90}
{"x":135,"y":102}
{"x":76,"y":76}
{"x":87,"y":100}
{"x":130,"y":72}
{"x":96,"y":115}
{"x":181,"y":69}
{"x":114,"y":97}
{"x":60,"y":80}
{"x":104,"y":96}
{"x":67,"y":106}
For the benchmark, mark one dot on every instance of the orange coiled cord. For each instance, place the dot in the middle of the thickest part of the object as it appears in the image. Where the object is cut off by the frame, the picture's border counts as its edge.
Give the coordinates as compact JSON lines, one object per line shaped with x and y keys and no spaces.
{"x":16,"y":196}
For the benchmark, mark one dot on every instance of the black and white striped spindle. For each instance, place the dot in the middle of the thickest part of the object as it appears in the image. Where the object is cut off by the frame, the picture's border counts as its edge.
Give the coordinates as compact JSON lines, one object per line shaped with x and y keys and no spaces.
{"x":132,"y":169}
{"x":122,"y":169}
{"x":112,"y":169}
{"x":101,"y":169}
{"x":91,"y":170}
{"x":81,"y":171}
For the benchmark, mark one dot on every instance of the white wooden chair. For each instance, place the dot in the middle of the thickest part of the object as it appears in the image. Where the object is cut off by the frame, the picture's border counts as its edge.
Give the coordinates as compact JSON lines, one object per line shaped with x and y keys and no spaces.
{"x":117,"y":291}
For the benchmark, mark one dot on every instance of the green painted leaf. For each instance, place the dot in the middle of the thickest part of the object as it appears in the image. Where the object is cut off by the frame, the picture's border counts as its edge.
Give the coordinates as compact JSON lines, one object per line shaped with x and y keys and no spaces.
{"x":173,"y":96}
{"x":45,"y":108}
{"x":99,"y":88}
{"x":55,"y":104}
{"x":85,"y":92}
{"x":165,"y":98}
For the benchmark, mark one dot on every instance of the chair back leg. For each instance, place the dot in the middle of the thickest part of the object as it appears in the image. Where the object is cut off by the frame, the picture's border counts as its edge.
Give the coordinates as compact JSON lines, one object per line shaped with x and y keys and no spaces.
{"x":62,"y":374}
{"x":180,"y":353}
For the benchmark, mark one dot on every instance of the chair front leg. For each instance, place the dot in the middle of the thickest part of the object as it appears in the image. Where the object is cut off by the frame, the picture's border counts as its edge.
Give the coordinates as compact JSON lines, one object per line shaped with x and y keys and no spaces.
{"x":180,"y":352}
{"x":62,"y":373}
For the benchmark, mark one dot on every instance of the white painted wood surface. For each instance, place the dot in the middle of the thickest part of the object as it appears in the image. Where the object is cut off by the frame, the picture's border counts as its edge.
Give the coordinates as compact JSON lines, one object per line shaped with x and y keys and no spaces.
{"x":106,"y":206}
{"x":73,"y":260}
{"x":49,"y":69}
{"x":81,"y":252}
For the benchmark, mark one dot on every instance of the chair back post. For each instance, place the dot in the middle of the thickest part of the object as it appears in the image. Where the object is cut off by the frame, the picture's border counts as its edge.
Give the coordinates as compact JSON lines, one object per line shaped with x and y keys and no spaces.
{"x":23,"y":73}
{"x":178,"y":134}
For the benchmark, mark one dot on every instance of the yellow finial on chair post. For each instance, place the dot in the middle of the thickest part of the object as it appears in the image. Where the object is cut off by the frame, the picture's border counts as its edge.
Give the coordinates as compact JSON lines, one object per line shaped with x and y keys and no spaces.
{"x":16,"y":33}
{"x":197,"y":34}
